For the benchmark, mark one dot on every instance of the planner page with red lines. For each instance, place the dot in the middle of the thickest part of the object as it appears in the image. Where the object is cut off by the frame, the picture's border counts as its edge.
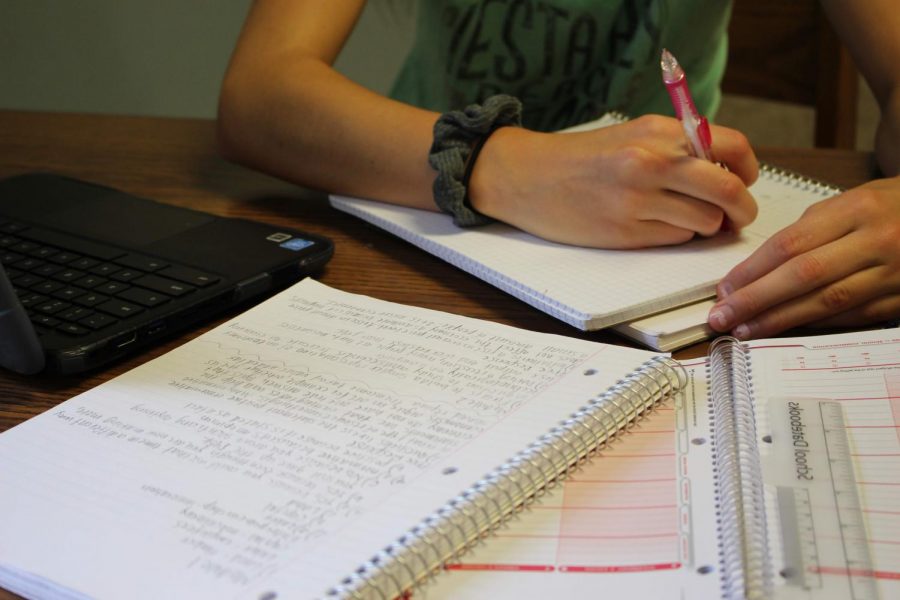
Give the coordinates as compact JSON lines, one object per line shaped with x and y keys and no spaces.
{"x":613,"y":525}
{"x":862,"y":372}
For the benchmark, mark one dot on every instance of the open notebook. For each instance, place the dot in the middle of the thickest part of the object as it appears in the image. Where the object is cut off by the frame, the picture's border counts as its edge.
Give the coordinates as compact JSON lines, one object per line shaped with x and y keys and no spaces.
{"x":324,"y":444}
{"x":594,"y":289}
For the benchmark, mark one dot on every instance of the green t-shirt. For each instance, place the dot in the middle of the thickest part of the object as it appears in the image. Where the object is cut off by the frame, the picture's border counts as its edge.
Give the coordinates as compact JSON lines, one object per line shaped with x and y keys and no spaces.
{"x":568,"y":61}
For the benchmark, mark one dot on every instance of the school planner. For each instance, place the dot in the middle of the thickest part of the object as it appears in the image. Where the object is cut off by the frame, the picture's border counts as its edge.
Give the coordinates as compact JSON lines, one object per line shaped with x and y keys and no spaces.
{"x":594,"y":289}
{"x":325,"y":444}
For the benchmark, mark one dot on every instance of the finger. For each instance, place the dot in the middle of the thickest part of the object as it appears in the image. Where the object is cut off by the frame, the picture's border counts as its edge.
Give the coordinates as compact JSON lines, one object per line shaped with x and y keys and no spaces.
{"x":710,"y":183}
{"x":879,"y":310}
{"x":685,"y":212}
{"x":732,"y":148}
{"x":840,"y":297}
{"x":646,"y":234}
{"x":810,"y":232}
{"x":798,"y":276}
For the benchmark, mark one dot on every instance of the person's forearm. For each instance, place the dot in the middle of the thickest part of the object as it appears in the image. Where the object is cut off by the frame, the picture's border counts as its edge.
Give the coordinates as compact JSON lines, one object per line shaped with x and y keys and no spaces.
{"x":301,"y":121}
{"x":887,"y":139}
{"x":871,"y":32}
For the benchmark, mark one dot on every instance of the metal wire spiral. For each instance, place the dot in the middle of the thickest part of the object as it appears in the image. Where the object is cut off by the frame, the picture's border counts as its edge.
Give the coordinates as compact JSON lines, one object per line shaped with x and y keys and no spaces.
{"x":743,"y":540}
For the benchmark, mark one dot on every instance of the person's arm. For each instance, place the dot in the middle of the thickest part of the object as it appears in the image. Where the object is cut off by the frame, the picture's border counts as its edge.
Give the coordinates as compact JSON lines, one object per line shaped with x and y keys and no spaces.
{"x":285,"y":110}
{"x":839,"y":264}
{"x":871,"y":32}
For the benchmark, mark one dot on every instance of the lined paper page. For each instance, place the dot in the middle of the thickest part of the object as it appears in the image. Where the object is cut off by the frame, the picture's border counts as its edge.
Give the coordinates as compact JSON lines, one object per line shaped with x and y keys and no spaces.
{"x":585,"y":287}
{"x":279,"y":451}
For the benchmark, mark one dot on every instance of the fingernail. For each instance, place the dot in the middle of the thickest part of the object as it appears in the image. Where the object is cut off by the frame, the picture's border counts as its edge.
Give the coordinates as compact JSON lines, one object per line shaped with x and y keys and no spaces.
{"x":725,"y":289}
{"x":742,"y":331}
{"x":720,"y":317}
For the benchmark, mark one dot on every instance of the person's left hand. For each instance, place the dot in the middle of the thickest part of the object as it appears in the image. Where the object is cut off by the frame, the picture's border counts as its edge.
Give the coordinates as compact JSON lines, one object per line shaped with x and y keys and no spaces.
{"x":837,"y":266}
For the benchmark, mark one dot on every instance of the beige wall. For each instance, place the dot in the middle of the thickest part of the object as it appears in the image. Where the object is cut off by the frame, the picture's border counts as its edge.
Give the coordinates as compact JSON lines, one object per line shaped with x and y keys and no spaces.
{"x":153,"y":57}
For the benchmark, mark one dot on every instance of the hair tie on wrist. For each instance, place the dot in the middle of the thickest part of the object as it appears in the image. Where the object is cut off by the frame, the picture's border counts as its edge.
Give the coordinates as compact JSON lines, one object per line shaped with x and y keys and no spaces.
{"x":459,"y":136}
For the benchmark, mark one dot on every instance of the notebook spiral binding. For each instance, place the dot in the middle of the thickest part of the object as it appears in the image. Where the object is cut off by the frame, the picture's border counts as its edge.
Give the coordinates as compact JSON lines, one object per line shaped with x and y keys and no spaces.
{"x":442,"y":538}
{"x":745,"y":566}
{"x":803,"y":182}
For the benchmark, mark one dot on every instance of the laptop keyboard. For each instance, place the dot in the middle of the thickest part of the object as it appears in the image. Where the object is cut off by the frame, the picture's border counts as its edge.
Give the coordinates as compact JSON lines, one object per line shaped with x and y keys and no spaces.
{"x":76,"y":286}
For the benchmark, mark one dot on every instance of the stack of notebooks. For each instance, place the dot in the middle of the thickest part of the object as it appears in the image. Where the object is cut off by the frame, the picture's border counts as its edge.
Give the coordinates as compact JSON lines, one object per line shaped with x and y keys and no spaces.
{"x":660,"y":297}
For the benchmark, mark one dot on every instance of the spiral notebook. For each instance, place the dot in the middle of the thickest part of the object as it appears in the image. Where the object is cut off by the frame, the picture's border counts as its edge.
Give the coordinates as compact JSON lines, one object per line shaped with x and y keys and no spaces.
{"x":594,"y":289}
{"x":325,"y":444}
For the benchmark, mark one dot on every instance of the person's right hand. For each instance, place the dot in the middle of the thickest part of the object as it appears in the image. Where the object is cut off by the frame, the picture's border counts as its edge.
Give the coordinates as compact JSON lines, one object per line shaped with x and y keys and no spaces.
{"x":626,"y":186}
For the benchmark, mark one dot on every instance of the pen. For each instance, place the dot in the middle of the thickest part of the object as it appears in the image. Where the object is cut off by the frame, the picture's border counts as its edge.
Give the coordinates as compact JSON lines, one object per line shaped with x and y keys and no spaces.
{"x":695,"y":126}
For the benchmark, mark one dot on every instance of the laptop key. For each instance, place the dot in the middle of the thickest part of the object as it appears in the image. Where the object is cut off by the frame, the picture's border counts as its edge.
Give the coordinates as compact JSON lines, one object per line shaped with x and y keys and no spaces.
{"x":164,"y":285}
{"x":25,"y":247}
{"x":98,"y":321}
{"x":144,"y":297}
{"x":63,"y":257}
{"x":68,"y":293}
{"x":90,"y":281}
{"x":91,"y":299}
{"x":26,"y":281}
{"x":112,"y":288}
{"x":48,"y":270}
{"x":75,"y":313}
{"x":31,"y":299}
{"x":47,"y":286}
{"x":84,"y":263}
{"x":27,"y":264}
{"x":69,"y":275}
{"x":45,"y":320}
{"x":50,"y":307}
{"x":44,"y":252}
{"x":73,"y":329}
{"x":118,"y":308}
{"x":191,"y":276}
{"x":141,"y":263}
{"x":7,"y":258}
{"x":126,"y":275}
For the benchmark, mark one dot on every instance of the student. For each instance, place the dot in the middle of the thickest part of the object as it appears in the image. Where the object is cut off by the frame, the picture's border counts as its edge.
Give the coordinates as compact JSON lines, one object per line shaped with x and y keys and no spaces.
{"x":286,"y":111}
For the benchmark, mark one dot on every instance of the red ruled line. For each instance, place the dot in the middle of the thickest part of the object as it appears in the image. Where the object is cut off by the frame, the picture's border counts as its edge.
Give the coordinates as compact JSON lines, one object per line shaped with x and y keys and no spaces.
{"x":617,"y":455}
{"x":659,"y":480}
{"x":856,"y":572}
{"x":628,"y":507}
{"x":618,"y":568}
{"x":498,"y":567}
{"x":630,"y":536}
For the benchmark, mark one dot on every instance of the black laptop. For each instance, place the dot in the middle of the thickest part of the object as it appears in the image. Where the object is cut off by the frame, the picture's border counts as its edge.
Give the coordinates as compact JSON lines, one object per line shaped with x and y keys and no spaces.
{"x":90,"y":274}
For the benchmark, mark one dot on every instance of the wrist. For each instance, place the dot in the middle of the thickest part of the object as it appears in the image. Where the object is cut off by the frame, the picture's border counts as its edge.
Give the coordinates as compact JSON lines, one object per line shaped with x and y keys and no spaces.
{"x":492,"y":188}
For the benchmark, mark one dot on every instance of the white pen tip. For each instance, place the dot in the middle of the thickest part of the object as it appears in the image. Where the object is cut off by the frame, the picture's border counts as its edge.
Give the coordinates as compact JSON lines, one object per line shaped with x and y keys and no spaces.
{"x":670,"y":68}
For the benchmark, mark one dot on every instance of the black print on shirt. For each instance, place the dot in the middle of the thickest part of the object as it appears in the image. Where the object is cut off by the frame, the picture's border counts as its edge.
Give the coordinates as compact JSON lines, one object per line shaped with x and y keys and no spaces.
{"x":487,"y":62}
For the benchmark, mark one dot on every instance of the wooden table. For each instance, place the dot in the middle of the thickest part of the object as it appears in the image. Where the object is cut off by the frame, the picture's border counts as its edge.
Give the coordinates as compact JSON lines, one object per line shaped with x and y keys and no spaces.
{"x":175,"y":161}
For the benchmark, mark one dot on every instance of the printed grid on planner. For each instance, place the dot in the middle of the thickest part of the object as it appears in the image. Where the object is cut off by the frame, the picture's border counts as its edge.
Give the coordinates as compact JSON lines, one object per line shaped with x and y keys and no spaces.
{"x":866,"y":380}
{"x":618,"y":513}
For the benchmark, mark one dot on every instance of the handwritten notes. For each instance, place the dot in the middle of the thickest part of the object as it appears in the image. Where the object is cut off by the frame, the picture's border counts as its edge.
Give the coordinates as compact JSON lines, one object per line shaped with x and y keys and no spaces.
{"x":312,"y":424}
